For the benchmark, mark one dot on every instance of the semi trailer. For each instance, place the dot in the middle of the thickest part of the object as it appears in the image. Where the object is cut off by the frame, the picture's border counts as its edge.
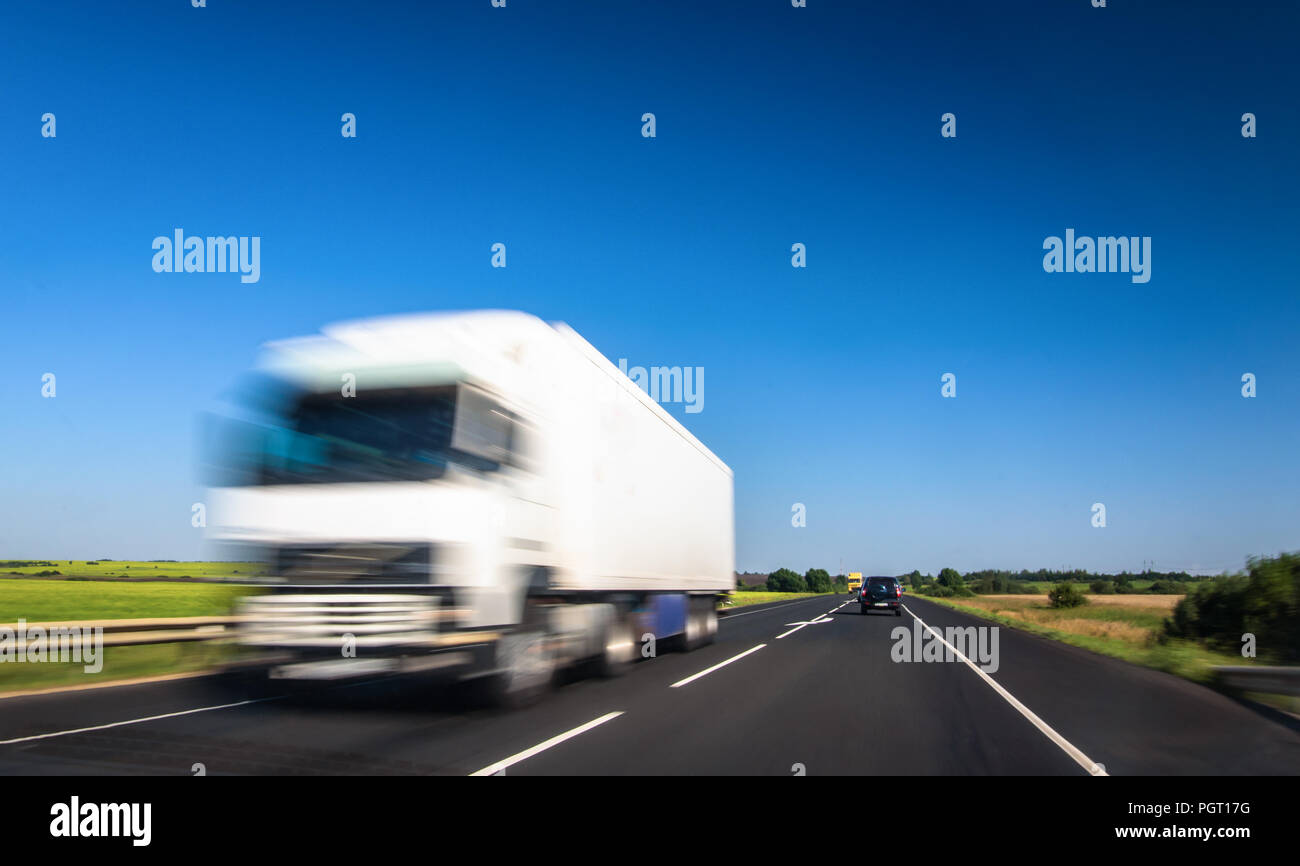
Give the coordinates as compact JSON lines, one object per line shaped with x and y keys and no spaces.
{"x":478,"y":493}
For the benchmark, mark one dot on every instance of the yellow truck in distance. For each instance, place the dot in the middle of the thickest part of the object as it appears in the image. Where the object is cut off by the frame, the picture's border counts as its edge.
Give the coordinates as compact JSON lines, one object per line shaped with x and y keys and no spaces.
{"x":855,"y":582}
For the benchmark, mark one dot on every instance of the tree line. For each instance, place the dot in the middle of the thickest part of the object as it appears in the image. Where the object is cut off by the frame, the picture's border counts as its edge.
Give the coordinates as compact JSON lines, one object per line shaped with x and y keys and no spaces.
{"x":950,"y":582}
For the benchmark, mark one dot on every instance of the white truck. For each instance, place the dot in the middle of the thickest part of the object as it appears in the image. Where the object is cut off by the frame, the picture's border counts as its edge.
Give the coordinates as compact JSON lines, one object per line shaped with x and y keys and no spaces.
{"x":478,"y":492}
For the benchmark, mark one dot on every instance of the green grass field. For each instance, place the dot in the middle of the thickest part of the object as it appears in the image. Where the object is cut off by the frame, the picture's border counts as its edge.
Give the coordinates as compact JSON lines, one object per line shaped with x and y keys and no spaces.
{"x":59,"y":600}
{"x":129,"y":569}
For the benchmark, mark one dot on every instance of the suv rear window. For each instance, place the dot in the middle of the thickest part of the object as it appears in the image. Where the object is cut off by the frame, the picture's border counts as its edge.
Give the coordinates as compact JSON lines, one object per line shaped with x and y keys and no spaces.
{"x":882,"y":581}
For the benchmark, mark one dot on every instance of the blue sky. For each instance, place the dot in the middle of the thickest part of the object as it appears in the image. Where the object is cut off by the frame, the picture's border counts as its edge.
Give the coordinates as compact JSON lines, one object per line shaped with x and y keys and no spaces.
{"x":774,"y":126}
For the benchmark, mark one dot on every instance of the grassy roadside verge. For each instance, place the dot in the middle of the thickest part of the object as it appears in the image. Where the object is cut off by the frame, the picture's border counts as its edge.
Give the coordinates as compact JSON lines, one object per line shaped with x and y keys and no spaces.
{"x":119,"y":663}
{"x":36,"y":600}
{"x":745,"y":598}
{"x":1121,"y":629}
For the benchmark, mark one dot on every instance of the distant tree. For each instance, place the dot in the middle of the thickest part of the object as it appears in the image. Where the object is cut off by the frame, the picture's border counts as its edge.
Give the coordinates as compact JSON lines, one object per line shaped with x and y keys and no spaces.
{"x":785,"y":580}
{"x":950,"y":578}
{"x":818,"y":580}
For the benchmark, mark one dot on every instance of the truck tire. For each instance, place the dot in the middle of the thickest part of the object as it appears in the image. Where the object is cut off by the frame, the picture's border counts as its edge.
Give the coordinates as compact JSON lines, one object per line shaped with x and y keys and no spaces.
{"x":701,"y":623}
{"x":619,"y":647}
{"x":526,"y":663}
{"x":710,"y":621}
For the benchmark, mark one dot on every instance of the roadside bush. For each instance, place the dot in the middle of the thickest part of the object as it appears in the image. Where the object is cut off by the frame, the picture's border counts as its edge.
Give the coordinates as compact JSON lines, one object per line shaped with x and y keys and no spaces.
{"x":818,"y":580}
{"x":1066,"y":595}
{"x":1167,"y":587}
{"x":1102,"y":587}
{"x":937,"y":590}
{"x":785,"y":580}
{"x":1264,"y":602}
{"x":950,"y":578}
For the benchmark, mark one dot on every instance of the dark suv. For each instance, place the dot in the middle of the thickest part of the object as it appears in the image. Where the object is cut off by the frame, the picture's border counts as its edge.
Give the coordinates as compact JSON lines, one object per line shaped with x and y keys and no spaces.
{"x":881,"y":593}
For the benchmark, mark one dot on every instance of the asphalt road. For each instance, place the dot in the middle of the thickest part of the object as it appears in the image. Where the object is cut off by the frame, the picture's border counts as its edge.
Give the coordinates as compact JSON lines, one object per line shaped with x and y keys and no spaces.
{"x":825,"y":698}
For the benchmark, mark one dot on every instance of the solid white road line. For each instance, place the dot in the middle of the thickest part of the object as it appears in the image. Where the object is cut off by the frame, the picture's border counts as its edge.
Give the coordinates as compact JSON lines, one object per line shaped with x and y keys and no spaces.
{"x":693,"y":677}
{"x":493,"y":769}
{"x":135,"y":721}
{"x":1065,"y":745}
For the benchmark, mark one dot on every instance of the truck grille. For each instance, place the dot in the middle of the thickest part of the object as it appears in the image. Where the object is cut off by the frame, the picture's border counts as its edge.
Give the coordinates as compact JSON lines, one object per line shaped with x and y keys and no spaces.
{"x":353,"y":564}
{"x":324,"y":621}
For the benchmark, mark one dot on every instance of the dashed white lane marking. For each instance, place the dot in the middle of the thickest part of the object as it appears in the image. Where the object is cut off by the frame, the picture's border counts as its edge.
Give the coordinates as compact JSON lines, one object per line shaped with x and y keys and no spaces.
{"x":493,"y":769}
{"x":693,"y":677}
{"x":799,"y":625}
{"x":1065,"y":745}
{"x":135,"y":721}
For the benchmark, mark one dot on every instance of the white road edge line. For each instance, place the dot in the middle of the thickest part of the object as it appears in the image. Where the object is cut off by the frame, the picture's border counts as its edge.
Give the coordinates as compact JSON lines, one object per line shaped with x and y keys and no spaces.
{"x":493,"y":769}
{"x":693,"y":677}
{"x":1093,"y":768}
{"x":136,"y":721}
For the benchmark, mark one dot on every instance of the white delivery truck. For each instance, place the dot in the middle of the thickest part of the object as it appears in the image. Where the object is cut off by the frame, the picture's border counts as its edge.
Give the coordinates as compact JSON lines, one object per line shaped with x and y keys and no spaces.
{"x":477,"y":492}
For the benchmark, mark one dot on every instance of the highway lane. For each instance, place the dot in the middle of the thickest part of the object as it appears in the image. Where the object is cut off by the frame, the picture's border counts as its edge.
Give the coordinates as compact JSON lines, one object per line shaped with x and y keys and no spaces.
{"x":826,"y":696}
{"x":1135,"y":720}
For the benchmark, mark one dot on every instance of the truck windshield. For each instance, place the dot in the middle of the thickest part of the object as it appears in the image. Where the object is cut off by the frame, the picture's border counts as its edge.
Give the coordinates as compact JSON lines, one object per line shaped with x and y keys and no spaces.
{"x":398,"y":434}
{"x":395,"y":435}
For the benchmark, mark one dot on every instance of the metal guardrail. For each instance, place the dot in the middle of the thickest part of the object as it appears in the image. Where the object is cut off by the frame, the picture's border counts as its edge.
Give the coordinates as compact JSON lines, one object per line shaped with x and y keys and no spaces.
{"x":138,"y":632}
{"x":135,"y":632}
{"x":1261,"y":678}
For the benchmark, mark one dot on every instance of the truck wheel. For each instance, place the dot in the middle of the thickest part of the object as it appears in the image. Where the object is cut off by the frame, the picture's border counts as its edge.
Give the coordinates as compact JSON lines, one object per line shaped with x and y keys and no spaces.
{"x":526,"y":664}
{"x":701,"y":624}
{"x":710,"y":622}
{"x":619,"y":648}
